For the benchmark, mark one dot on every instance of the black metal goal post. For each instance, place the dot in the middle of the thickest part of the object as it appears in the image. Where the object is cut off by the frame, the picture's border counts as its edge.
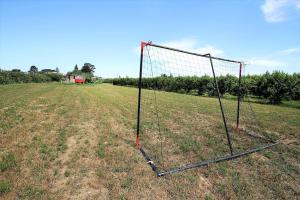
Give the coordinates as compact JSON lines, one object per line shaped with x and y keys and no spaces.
{"x":179,"y":130}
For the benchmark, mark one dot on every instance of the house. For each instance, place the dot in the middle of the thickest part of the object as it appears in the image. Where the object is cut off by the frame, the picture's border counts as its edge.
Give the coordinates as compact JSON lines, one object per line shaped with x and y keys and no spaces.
{"x":75,"y":79}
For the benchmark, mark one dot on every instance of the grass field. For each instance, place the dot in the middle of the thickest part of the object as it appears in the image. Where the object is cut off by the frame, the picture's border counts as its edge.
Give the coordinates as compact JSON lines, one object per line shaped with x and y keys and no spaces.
{"x":78,"y":142}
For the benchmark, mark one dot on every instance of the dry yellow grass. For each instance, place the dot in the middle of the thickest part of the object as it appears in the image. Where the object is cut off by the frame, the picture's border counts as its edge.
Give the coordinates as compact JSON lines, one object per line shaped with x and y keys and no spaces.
{"x":77,"y":142}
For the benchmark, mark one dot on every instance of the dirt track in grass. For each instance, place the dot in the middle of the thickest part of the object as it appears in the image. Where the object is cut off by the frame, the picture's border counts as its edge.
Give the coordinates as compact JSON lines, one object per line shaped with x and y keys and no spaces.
{"x":77,"y":142}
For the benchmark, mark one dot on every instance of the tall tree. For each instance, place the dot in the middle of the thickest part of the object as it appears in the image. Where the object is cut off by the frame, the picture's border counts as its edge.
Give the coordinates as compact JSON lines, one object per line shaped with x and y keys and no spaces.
{"x":88,"y":68}
{"x":75,"y":68}
{"x":33,"y":69}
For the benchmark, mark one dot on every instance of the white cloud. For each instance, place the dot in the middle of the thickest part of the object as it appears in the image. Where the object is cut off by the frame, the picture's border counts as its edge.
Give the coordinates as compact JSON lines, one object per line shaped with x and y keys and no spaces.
{"x":167,"y":62}
{"x":276,"y":10}
{"x":177,"y":64}
{"x":184,"y":44}
{"x":290,"y":51}
{"x":192,"y":45}
{"x":210,"y":49}
{"x":298,"y":5}
{"x":263,"y":62}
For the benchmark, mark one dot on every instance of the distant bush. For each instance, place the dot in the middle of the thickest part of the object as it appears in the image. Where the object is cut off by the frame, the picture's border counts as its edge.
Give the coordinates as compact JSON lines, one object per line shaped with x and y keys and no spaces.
{"x":97,"y":80}
{"x":108,"y":80}
{"x":8,"y":77}
{"x":54,"y":76}
{"x":273,"y":87}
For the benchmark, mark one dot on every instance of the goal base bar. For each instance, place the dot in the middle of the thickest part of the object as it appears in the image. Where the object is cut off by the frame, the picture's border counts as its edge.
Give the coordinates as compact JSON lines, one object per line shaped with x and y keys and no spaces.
{"x":204,"y":163}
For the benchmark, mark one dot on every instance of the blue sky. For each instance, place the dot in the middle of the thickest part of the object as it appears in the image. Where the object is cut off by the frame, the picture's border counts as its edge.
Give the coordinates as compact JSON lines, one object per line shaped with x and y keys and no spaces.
{"x":263,"y":33}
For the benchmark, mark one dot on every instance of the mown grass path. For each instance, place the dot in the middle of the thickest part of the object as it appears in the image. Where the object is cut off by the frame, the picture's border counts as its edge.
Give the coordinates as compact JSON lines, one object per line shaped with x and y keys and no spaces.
{"x":77,"y":142}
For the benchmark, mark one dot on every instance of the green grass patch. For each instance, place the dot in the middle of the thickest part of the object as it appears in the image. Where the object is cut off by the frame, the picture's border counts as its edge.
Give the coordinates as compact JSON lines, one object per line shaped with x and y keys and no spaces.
{"x":62,"y":140}
{"x":207,"y":197}
{"x":189,"y":144}
{"x":47,"y":152}
{"x":239,"y":187}
{"x":100,"y":151}
{"x":291,"y":104}
{"x":221,"y":189}
{"x":127,"y":183}
{"x":32,"y":192}
{"x":8,"y":161}
{"x":4,"y":187}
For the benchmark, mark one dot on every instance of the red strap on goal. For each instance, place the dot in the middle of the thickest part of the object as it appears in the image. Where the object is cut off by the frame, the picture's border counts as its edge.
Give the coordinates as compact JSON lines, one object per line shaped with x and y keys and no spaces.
{"x":237,"y":129}
{"x":143,"y":44}
{"x":137,"y":142}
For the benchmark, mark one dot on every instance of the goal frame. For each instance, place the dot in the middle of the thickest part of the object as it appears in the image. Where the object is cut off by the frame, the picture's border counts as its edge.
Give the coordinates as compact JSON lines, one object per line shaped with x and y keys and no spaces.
{"x":232,"y":155}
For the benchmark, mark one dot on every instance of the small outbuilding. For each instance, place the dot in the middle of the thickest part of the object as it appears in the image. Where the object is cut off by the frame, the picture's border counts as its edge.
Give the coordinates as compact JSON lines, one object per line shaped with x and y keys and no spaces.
{"x":75,"y":79}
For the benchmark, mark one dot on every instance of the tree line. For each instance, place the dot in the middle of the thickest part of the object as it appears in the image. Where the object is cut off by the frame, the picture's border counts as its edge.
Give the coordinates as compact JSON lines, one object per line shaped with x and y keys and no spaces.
{"x":44,"y":75}
{"x":32,"y":76}
{"x":272,"y":87}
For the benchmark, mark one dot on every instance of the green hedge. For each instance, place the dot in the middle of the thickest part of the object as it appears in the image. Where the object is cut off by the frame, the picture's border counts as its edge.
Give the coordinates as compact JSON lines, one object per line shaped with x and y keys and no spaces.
{"x":9,"y":77}
{"x":273,"y":87}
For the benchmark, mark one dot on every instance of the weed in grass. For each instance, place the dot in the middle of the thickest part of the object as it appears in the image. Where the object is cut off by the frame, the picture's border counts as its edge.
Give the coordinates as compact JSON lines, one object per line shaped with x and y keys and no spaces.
{"x":47,"y":153}
{"x":44,"y":149}
{"x":67,"y":173}
{"x":62,"y":140}
{"x":35,"y":138}
{"x":123,"y":197}
{"x":239,"y":186}
{"x":192,"y":178}
{"x":189,"y":144}
{"x":7,"y":161}
{"x":282,"y":163}
{"x":220,"y":188}
{"x":9,"y":118}
{"x":207,"y":172}
{"x":38,"y":170}
{"x":100,"y":150}
{"x":83,"y":169}
{"x":58,"y":162}
{"x":268,"y":154}
{"x":120,"y":169}
{"x":295,"y":151}
{"x":222,"y":169}
{"x":136,"y":158}
{"x":32,"y":192}
{"x":4,"y":187}
{"x":55,"y":173}
{"x":220,"y":126}
{"x":127,"y":183}
{"x":99,"y":173}
{"x":277,"y":190}
{"x":207,"y":197}
{"x":249,"y":160}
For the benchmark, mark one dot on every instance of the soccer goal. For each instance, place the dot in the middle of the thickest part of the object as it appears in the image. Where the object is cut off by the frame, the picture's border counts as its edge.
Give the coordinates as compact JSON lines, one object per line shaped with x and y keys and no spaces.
{"x":193,"y":110}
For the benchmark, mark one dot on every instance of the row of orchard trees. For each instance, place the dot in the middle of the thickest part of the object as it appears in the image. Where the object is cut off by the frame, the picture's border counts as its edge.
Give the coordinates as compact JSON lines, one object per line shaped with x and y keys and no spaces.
{"x":273,"y":87}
